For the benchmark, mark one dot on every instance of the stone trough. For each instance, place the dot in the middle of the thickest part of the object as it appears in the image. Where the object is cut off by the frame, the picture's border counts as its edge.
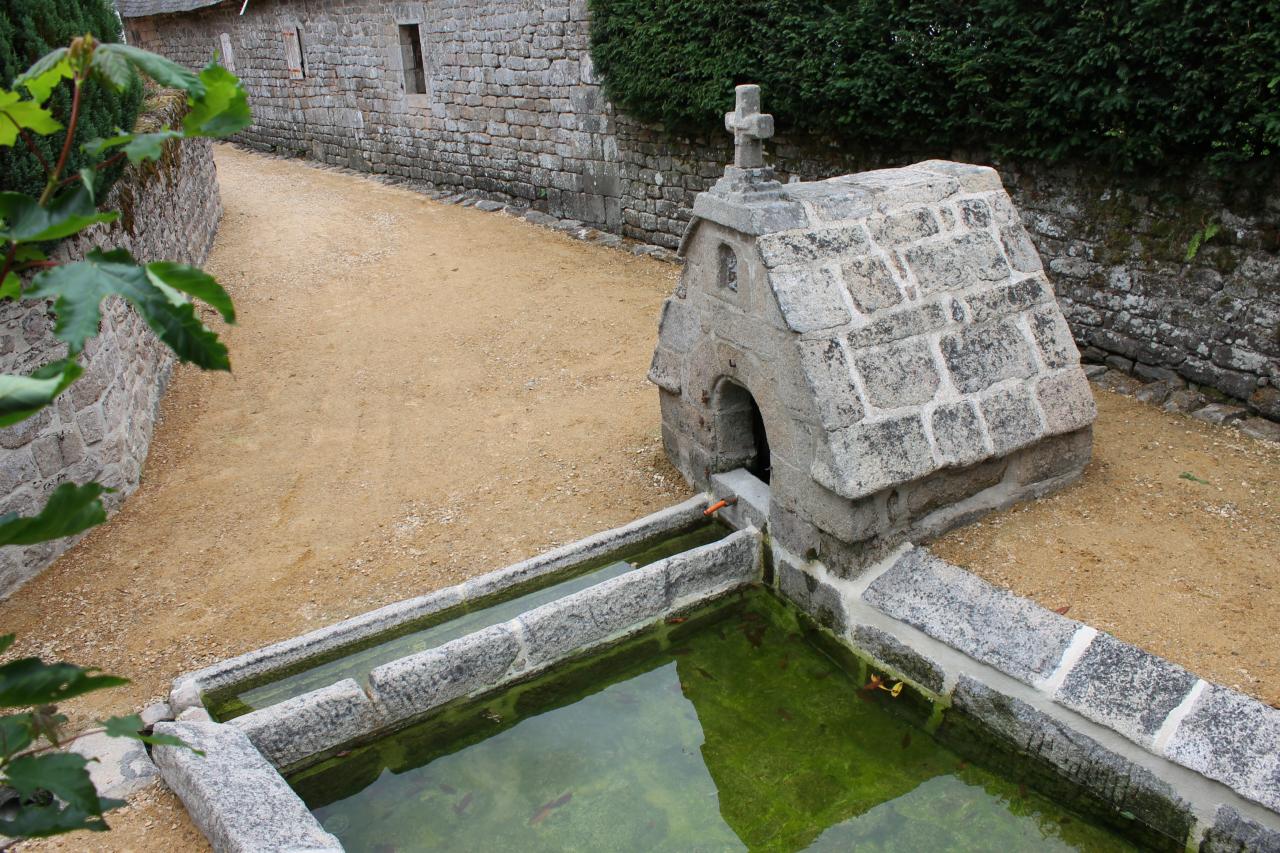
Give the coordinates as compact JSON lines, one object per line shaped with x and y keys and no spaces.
{"x":848,"y":367}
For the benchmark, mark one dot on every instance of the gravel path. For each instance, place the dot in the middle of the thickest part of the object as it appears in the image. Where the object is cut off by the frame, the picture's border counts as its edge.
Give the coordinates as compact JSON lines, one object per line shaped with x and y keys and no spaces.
{"x":422,"y":393}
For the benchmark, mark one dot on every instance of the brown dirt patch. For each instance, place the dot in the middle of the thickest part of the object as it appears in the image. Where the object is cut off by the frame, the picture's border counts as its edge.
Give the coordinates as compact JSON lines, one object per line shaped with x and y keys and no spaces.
{"x":422,"y":393}
{"x":1189,"y":570}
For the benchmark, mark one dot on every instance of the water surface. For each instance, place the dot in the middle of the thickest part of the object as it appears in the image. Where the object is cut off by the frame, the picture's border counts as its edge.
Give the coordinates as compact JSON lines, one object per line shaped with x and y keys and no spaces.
{"x":731,"y":732}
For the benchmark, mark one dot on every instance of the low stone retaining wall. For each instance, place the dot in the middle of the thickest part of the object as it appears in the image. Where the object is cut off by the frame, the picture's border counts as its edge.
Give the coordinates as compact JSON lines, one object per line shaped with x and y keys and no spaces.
{"x":101,"y":427}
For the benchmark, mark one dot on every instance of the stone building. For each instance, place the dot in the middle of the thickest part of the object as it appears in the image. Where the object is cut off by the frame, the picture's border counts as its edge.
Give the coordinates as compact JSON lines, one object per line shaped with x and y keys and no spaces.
{"x":500,"y":98}
{"x":883,"y":348}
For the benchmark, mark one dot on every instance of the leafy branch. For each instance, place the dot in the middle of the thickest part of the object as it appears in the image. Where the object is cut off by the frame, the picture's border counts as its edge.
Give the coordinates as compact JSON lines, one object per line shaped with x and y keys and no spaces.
{"x":50,"y":787}
{"x":1198,"y":239}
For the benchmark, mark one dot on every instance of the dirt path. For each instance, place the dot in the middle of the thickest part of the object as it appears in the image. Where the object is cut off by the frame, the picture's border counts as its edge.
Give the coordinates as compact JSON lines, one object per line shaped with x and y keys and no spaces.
{"x":422,"y":393}
{"x":1171,"y":541}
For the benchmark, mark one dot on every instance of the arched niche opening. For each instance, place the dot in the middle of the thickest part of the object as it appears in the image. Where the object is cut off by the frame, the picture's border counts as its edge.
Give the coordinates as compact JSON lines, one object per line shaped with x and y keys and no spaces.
{"x":741,"y":439}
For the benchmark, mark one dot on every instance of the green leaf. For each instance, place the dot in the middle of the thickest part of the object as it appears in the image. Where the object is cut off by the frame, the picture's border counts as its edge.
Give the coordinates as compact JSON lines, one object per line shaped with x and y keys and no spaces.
{"x":11,"y":286}
{"x":17,"y":114}
{"x":166,"y":72}
{"x":27,"y":222}
{"x":45,"y":74}
{"x":71,"y":509}
{"x":137,"y":146}
{"x":131,"y":727}
{"x":148,"y":146}
{"x":38,"y":821}
{"x":62,"y":774}
{"x":48,"y":722}
{"x":17,"y":731}
{"x":195,"y":282}
{"x":222,"y":110}
{"x":23,"y":396}
{"x":6,"y":641}
{"x":80,"y":288}
{"x":30,"y":681}
{"x":95,"y":147}
{"x":112,"y":67}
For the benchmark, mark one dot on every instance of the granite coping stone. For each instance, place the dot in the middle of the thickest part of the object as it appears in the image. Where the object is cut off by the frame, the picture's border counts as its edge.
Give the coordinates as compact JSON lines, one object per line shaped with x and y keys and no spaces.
{"x":1234,"y":739}
{"x":712,"y":569}
{"x":119,"y":767}
{"x":899,"y":657}
{"x":234,"y":796}
{"x":559,"y":628}
{"x":1164,"y":709}
{"x":752,"y":507}
{"x":991,"y":625}
{"x":1233,"y":833}
{"x":188,"y":688}
{"x":412,"y":686}
{"x":1040,"y":739}
{"x":1124,"y":688}
{"x":297,"y":728}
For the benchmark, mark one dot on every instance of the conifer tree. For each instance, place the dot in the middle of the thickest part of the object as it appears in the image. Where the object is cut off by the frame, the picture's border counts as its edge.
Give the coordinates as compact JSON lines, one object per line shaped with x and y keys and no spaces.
{"x":28,"y":30}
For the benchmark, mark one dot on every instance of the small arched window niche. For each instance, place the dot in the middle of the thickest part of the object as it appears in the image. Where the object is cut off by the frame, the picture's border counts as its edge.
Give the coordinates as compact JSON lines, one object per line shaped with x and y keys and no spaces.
{"x":728,"y":268}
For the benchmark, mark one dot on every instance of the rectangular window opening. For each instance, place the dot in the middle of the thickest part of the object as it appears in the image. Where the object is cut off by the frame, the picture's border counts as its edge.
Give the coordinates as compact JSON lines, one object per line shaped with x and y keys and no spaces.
{"x":415,"y":73}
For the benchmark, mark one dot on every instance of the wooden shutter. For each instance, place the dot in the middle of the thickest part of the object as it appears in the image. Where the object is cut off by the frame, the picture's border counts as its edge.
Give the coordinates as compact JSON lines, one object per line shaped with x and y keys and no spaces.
{"x":292,"y":53}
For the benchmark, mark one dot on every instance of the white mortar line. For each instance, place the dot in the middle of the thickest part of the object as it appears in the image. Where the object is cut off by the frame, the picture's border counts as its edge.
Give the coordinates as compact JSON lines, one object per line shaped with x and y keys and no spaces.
{"x":1023,"y":322}
{"x":859,"y":585}
{"x":1080,"y":642}
{"x":516,"y":628}
{"x":833,"y":269}
{"x":1171,"y":723}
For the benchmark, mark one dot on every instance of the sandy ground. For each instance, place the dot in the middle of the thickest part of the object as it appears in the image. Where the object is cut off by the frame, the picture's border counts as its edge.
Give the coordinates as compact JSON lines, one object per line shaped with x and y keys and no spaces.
{"x":1170,"y":541}
{"x":423,"y":393}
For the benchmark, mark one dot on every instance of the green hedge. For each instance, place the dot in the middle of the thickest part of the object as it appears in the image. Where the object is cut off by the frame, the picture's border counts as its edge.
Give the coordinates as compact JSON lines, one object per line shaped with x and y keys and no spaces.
{"x":1135,"y":83}
{"x":28,"y":30}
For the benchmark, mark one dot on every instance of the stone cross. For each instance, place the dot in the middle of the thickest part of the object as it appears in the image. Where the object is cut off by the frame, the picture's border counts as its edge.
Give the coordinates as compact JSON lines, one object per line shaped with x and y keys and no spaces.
{"x":749,"y":128}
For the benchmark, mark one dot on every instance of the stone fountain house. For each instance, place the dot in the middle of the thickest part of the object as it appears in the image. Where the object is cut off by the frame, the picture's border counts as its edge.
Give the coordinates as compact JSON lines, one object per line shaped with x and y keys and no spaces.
{"x":883,"y":348}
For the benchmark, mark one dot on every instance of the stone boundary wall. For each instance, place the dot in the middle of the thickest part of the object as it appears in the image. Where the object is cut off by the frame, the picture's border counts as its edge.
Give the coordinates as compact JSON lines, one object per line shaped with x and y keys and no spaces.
{"x":101,"y":427}
{"x":511,"y":110}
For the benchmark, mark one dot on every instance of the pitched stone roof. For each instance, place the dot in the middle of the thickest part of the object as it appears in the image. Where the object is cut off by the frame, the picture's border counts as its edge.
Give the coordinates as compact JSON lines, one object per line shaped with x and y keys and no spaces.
{"x":143,"y":8}
{"x":927,"y":332}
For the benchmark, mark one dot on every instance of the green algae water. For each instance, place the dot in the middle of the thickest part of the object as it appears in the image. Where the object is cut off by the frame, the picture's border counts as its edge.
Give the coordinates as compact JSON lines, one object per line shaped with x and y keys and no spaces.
{"x":358,"y":661}
{"x":728,"y":732}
